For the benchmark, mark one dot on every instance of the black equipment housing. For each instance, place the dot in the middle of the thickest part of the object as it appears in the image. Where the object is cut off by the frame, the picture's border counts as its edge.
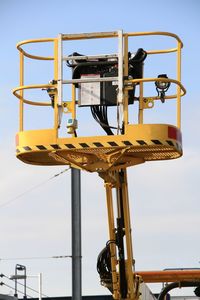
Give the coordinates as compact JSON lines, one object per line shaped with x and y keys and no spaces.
{"x":108,"y":68}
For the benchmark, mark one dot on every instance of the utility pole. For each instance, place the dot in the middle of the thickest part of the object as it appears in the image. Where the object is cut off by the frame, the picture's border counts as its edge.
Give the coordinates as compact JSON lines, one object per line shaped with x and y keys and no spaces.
{"x":76,"y":234}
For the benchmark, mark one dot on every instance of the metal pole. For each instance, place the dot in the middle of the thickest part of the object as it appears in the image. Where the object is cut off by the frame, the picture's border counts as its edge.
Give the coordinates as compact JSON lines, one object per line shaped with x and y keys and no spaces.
{"x":15,"y":294}
{"x":76,"y":234}
{"x":25,"y":283}
{"x":40,"y":285}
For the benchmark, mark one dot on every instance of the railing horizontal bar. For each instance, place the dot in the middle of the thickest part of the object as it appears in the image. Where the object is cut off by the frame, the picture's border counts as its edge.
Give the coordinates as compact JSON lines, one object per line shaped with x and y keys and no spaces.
{"x":162,"y":51}
{"x":88,"y":80}
{"x":164,"y":33}
{"x":160,"y":79}
{"x":83,"y":57}
{"x":93,"y":35}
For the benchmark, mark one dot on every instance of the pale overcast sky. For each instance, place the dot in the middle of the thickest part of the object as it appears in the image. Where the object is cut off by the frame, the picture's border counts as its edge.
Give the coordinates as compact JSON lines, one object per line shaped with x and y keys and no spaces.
{"x":164,"y":196}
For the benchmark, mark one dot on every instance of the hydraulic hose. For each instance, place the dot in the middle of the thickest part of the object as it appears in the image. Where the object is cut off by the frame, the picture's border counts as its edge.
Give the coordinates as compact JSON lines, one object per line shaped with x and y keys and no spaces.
{"x":174,"y":285}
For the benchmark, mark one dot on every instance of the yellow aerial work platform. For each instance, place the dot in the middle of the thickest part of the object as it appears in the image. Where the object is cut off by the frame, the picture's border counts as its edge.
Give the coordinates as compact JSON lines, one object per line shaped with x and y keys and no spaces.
{"x":140,"y":143}
{"x":135,"y":144}
{"x":99,"y":81}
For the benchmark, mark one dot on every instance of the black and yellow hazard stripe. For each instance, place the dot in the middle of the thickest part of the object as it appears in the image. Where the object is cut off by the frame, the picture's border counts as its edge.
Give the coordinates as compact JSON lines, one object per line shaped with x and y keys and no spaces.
{"x":105,"y":144}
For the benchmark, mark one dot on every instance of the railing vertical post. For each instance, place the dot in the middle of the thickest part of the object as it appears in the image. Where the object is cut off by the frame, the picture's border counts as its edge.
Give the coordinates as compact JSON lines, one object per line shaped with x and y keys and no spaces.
{"x":178,"y":87}
{"x":126,"y":76}
{"x":56,"y":78}
{"x":21,"y":83}
{"x":120,"y":80}
{"x":140,"y":115}
{"x":120,"y":67}
{"x":60,"y":69}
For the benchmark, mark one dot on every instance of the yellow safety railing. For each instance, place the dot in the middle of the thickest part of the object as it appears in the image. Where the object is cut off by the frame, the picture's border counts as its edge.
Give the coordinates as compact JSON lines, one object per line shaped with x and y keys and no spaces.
{"x":147,"y":100}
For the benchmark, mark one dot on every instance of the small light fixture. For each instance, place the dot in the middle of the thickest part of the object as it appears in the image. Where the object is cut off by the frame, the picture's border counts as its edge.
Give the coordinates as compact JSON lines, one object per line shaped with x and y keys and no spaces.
{"x":162,"y":87}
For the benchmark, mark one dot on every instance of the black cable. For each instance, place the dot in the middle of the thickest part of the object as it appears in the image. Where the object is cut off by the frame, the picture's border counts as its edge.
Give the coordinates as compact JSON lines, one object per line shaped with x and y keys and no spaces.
{"x":105,"y":114}
{"x":99,"y":113}
{"x":18,"y":291}
{"x":174,"y":285}
{"x":3,"y":275}
{"x":104,"y":265}
{"x":32,"y":289}
{"x":29,"y":258}
{"x":31,"y":189}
